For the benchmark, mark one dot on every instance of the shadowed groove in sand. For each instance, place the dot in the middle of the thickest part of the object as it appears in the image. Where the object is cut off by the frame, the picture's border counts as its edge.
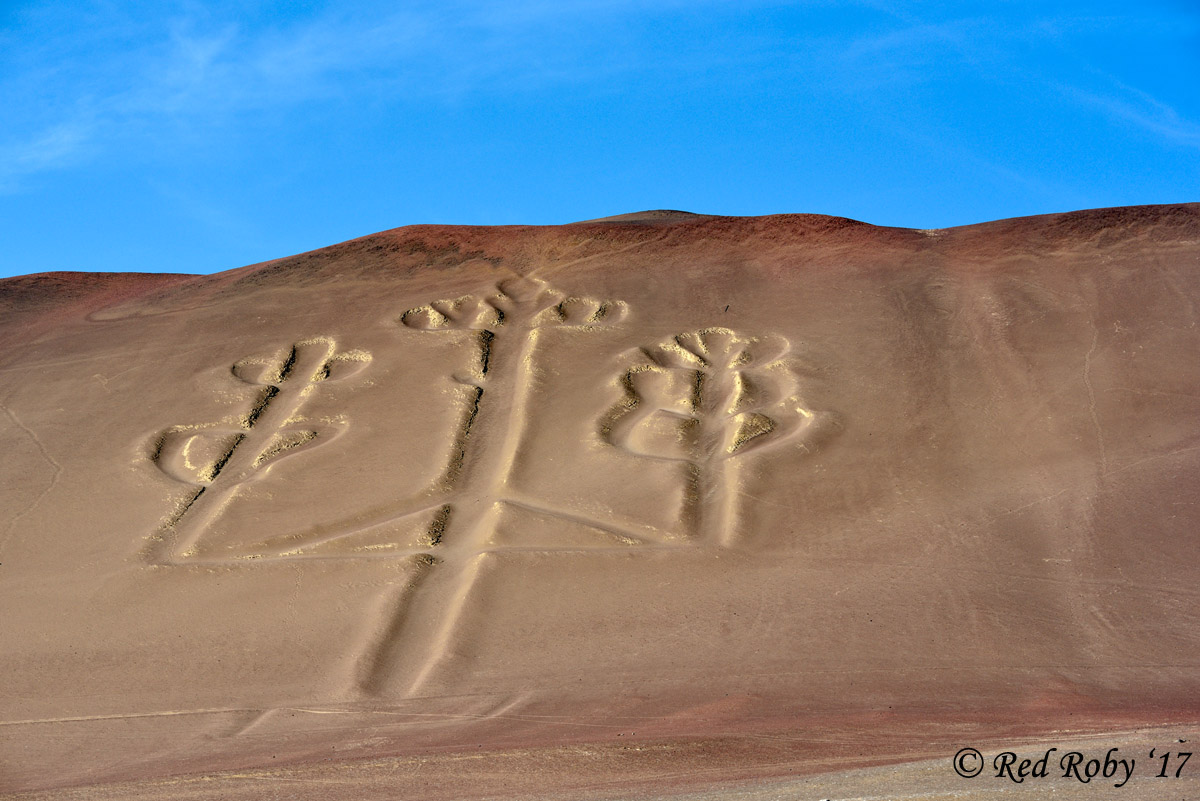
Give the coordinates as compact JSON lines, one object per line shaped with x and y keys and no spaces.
{"x":369,"y":663}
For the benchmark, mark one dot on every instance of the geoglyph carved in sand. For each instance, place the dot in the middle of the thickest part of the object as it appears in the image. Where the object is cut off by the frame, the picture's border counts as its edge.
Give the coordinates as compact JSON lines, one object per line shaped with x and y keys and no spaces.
{"x":704,"y":399}
{"x":701,"y":399}
{"x":215,"y":460}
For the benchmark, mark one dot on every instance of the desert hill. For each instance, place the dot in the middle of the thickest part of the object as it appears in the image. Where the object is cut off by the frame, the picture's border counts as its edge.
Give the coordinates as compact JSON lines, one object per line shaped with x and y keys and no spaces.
{"x":659,"y":501}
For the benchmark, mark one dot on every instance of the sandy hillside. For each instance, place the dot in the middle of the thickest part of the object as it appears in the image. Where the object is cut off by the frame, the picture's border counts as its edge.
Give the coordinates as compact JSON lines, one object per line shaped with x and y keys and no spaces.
{"x":663,"y":504}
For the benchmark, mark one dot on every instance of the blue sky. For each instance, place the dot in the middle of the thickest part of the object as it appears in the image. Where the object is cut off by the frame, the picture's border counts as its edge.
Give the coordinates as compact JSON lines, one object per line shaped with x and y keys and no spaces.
{"x":202,"y":136}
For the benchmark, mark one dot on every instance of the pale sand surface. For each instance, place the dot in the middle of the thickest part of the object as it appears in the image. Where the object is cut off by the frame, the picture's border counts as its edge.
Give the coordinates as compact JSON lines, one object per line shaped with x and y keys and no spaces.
{"x":657,"y":504}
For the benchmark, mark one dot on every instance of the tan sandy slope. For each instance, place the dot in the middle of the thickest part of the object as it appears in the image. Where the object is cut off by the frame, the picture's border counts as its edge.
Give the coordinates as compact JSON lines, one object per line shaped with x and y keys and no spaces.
{"x":663,"y":501}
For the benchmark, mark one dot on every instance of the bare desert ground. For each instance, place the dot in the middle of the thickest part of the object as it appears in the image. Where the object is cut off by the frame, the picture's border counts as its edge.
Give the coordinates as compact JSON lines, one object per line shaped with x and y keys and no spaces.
{"x":656,"y":506}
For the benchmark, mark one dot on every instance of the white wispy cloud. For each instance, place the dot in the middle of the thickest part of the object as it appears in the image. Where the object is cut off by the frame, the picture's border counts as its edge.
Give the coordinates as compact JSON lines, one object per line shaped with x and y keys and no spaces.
{"x":1020,"y":52}
{"x":79,"y":79}
{"x":51,"y":148}
{"x":78,"y":82}
{"x":1126,"y":105}
{"x":75,"y":80}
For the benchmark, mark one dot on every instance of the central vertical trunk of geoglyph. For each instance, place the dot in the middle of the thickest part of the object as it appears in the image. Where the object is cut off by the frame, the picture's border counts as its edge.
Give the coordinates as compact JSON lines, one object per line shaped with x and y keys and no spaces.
{"x":506,"y":327}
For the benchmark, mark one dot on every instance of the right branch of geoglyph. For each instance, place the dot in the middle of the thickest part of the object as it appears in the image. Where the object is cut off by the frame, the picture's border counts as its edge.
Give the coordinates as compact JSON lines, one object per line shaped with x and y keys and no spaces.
{"x":704,"y":399}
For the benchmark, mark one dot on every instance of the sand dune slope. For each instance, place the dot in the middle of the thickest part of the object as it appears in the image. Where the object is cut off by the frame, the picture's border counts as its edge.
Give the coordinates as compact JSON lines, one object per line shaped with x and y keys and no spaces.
{"x":661,"y":501}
